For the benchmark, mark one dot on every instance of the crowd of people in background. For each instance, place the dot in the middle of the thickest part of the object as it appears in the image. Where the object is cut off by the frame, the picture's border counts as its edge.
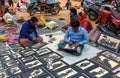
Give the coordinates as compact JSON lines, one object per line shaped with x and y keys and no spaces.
{"x":6,"y":4}
{"x":19,"y":4}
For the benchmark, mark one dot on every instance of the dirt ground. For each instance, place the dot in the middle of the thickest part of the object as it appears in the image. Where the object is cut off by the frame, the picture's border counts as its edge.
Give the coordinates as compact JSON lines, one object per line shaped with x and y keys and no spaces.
{"x":62,"y":14}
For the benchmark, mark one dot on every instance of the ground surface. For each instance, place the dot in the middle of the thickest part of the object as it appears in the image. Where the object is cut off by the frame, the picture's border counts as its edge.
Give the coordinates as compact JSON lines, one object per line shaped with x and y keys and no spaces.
{"x":63,"y":13}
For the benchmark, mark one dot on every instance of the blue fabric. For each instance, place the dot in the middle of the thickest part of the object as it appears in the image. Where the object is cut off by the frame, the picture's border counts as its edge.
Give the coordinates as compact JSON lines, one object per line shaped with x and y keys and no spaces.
{"x":27,"y":30}
{"x":80,"y":36}
{"x":27,"y":4}
{"x":108,"y":5}
{"x":71,"y":14}
{"x":32,"y":1}
{"x":50,"y":1}
{"x":74,"y":52}
{"x":61,"y":45}
{"x":68,"y":3}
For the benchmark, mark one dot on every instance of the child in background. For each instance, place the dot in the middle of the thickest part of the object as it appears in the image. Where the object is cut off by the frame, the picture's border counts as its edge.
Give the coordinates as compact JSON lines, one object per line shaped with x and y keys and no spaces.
{"x":27,"y":3}
{"x":68,"y":4}
{"x":18,"y":5}
{"x":10,"y":3}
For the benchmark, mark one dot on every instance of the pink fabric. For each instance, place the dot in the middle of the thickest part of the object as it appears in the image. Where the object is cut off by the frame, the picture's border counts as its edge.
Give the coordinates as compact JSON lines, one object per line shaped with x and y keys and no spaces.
{"x":12,"y":40}
{"x":17,"y":8}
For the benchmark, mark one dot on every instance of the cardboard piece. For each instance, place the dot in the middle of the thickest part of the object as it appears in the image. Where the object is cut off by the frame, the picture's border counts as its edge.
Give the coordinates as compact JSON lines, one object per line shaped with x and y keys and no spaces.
{"x":110,"y":42}
{"x":105,"y":62}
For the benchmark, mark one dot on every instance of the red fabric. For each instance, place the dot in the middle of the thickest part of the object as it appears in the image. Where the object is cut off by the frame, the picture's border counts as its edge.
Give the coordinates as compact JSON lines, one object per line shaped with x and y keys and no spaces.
{"x":116,"y":21}
{"x":84,"y":22}
{"x":2,"y":13}
{"x":104,"y":16}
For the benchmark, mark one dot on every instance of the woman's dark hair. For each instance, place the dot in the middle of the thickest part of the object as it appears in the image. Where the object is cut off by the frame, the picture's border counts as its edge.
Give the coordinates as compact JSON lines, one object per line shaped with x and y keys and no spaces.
{"x":75,"y":23}
{"x":80,"y":13}
{"x":73,"y":10}
{"x":34,"y":19}
{"x":107,"y":8}
{"x":7,"y":10}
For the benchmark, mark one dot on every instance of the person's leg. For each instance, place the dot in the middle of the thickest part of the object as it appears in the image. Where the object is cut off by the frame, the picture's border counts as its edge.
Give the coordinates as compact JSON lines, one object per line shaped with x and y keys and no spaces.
{"x":23,"y":42}
{"x":61,"y":45}
{"x":27,"y":4}
{"x":2,"y":12}
{"x":12,"y":4}
{"x":9,"y":3}
{"x":0,"y":8}
{"x":67,"y":7}
{"x":3,"y":6}
{"x":78,"y":50}
{"x":3,"y":9}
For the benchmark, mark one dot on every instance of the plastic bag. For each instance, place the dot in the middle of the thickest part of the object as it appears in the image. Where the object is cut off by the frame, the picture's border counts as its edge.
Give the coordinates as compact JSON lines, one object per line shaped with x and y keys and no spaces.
{"x":8,"y":17}
{"x":51,"y":25}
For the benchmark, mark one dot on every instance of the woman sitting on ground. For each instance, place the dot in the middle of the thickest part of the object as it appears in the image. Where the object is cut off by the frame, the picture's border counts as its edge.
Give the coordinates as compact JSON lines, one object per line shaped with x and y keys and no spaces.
{"x":84,"y":21}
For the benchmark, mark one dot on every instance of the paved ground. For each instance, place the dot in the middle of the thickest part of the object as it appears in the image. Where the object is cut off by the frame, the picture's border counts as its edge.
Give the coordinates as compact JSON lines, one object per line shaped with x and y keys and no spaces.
{"x":63,"y":13}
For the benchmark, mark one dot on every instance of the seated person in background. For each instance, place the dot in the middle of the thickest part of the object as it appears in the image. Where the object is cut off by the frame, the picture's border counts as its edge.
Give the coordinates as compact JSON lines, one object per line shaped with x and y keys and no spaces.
{"x":73,"y":16}
{"x":28,"y":33}
{"x":19,"y":6}
{"x":76,"y":36}
{"x":84,"y":21}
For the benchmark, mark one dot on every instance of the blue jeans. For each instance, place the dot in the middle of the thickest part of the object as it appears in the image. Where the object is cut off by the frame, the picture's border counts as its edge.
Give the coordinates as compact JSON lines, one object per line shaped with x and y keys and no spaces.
{"x":31,"y":42}
{"x":74,"y":51}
